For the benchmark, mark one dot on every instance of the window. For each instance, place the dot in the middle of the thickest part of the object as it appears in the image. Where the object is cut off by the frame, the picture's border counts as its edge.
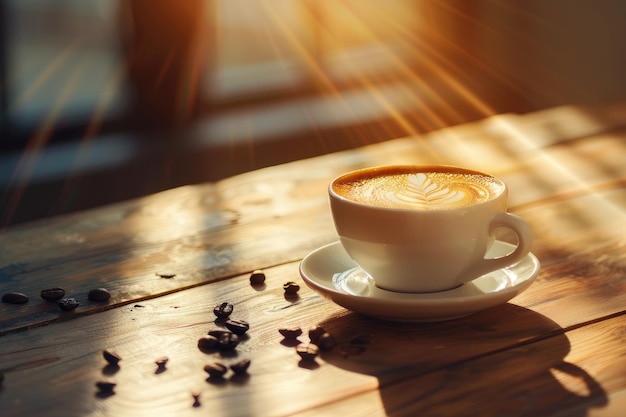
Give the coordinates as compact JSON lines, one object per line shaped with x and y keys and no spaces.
{"x":63,"y":60}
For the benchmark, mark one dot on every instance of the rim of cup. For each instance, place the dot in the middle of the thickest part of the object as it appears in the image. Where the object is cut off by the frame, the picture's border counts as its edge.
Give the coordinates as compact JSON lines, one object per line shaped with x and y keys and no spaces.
{"x":421,"y":168}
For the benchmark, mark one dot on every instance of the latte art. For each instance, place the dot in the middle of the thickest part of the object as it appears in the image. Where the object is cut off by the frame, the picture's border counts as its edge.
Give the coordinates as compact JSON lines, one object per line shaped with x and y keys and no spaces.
{"x":423,"y":192}
{"x":420,"y":190}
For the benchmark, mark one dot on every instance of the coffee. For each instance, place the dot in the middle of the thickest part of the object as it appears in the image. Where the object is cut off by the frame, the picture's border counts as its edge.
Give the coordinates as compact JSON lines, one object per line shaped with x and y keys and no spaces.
{"x":418,"y":188}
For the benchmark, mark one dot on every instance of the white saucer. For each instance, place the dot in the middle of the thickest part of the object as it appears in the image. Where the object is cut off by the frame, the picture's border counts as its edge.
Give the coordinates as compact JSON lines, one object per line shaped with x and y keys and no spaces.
{"x":330,"y":272}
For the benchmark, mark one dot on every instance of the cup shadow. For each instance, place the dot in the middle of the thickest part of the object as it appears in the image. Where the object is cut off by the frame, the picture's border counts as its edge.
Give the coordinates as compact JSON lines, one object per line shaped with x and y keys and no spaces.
{"x":502,"y":360}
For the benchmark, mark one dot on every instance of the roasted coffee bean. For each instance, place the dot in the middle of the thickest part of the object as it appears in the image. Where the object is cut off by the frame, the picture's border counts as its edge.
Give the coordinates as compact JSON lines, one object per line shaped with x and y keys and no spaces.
{"x":238,"y":327}
{"x":105,"y":386}
{"x":226,"y":340}
{"x":290,"y":333}
{"x":223,"y":311}
{"x":162,"y":362}
{"x":240,"y":367}
{"x":111,"y":357}
{"x":14,"y":298}
{"x":52,"y":294}
{"x":218,"y":333}
{"x":67,"y":304}
{"x":257,"y":277}
{"x":208,"y":342}
{"x":326,"y":342}
{"x":215,"y":370}
{"x":308,"y":351}
{"x":291,"y":288}
{"x":99,"y":295}
{"x":196,"y":399}
{"x":315,"y":333}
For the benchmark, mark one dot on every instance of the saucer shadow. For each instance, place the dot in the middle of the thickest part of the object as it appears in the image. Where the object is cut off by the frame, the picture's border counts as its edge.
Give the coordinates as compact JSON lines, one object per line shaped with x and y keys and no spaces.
{"x":501,"y":360}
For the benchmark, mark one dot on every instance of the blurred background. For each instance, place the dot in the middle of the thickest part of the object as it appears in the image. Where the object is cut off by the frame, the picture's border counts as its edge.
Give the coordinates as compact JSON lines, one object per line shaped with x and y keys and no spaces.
{"x":104,"y":100}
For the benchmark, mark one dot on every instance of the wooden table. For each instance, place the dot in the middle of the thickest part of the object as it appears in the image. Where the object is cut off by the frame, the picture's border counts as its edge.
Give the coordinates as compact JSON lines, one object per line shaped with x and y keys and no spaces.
{"x":559,"y":348}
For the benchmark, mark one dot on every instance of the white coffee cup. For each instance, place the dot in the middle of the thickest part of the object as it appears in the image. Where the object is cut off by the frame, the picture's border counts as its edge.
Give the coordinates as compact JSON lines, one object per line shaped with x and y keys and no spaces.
{"x":424,"y":228}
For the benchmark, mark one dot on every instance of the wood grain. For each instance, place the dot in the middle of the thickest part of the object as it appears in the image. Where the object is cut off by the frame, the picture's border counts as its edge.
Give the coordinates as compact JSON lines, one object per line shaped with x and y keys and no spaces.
{"x":428,"y":364}
{"x":567,"y":374}
{"x":556,"y":349}
{"x":198,"y":232}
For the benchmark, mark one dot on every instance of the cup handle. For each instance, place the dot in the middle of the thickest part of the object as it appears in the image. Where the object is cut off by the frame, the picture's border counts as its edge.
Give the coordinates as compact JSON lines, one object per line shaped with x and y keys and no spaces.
{"x":524,"y":242}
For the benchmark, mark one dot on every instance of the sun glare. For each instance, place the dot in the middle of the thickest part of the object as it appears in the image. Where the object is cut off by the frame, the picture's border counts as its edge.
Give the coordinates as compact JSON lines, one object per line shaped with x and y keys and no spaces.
{"x":405,"y":67}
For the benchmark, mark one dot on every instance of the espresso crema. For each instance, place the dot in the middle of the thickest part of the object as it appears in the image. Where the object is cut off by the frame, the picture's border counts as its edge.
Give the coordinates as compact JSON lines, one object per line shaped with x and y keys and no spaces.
{"x":426,"y":190}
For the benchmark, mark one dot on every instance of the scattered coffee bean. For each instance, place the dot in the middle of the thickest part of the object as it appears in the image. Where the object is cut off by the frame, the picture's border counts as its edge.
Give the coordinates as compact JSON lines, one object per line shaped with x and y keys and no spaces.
{"x":106,"y":386}
{"x":161,"y":362}
{"x":228,"y":341}
{"x":223,"y":311}
{"x":257,"y":277}
{"x":196,"y":399}
{"x":99,"y":295}
{"x":208,"y":343}
{"x":308,"y":351}
{"x":326,"y":342}
{"x":240,"y":367}
{"x":225,"y":340}
{"x":52,"y":294}
{"x":291,"y":288}
{"x":315,"y":333}
{"x":218,"y":333}
{"x":238,"y":327}
{"x":215,"y":370}
{"x":290,"y":333}
{"x":67,"y":304}
{"x":111,"y":357}
{"x":14,"y":298}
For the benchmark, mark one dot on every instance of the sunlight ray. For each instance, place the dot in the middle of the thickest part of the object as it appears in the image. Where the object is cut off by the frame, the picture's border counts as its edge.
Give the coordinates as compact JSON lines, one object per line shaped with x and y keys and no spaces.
{"x":44,"y":130}
{"x":310,"y":61}
{"x":396,"y":114}
{"x":189,"y":84}
{"x":405,"y":69}
{"x":453,"y":81}
{"x":429,"y":62}
{"x":433,"y":59}
{"x":301,"y":50}
{"x":45,"y":74}
{"x":552,"y":165}
{"x":30,"y":156}
{"x":161,"y":72}
{"x":478,"y":63}
{"x":105,"y":99}
{"x":545,"y":69}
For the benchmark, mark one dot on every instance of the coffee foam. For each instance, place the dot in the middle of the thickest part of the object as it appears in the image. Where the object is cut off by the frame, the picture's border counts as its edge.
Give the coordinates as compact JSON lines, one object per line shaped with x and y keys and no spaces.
{"x":419,"y":190}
